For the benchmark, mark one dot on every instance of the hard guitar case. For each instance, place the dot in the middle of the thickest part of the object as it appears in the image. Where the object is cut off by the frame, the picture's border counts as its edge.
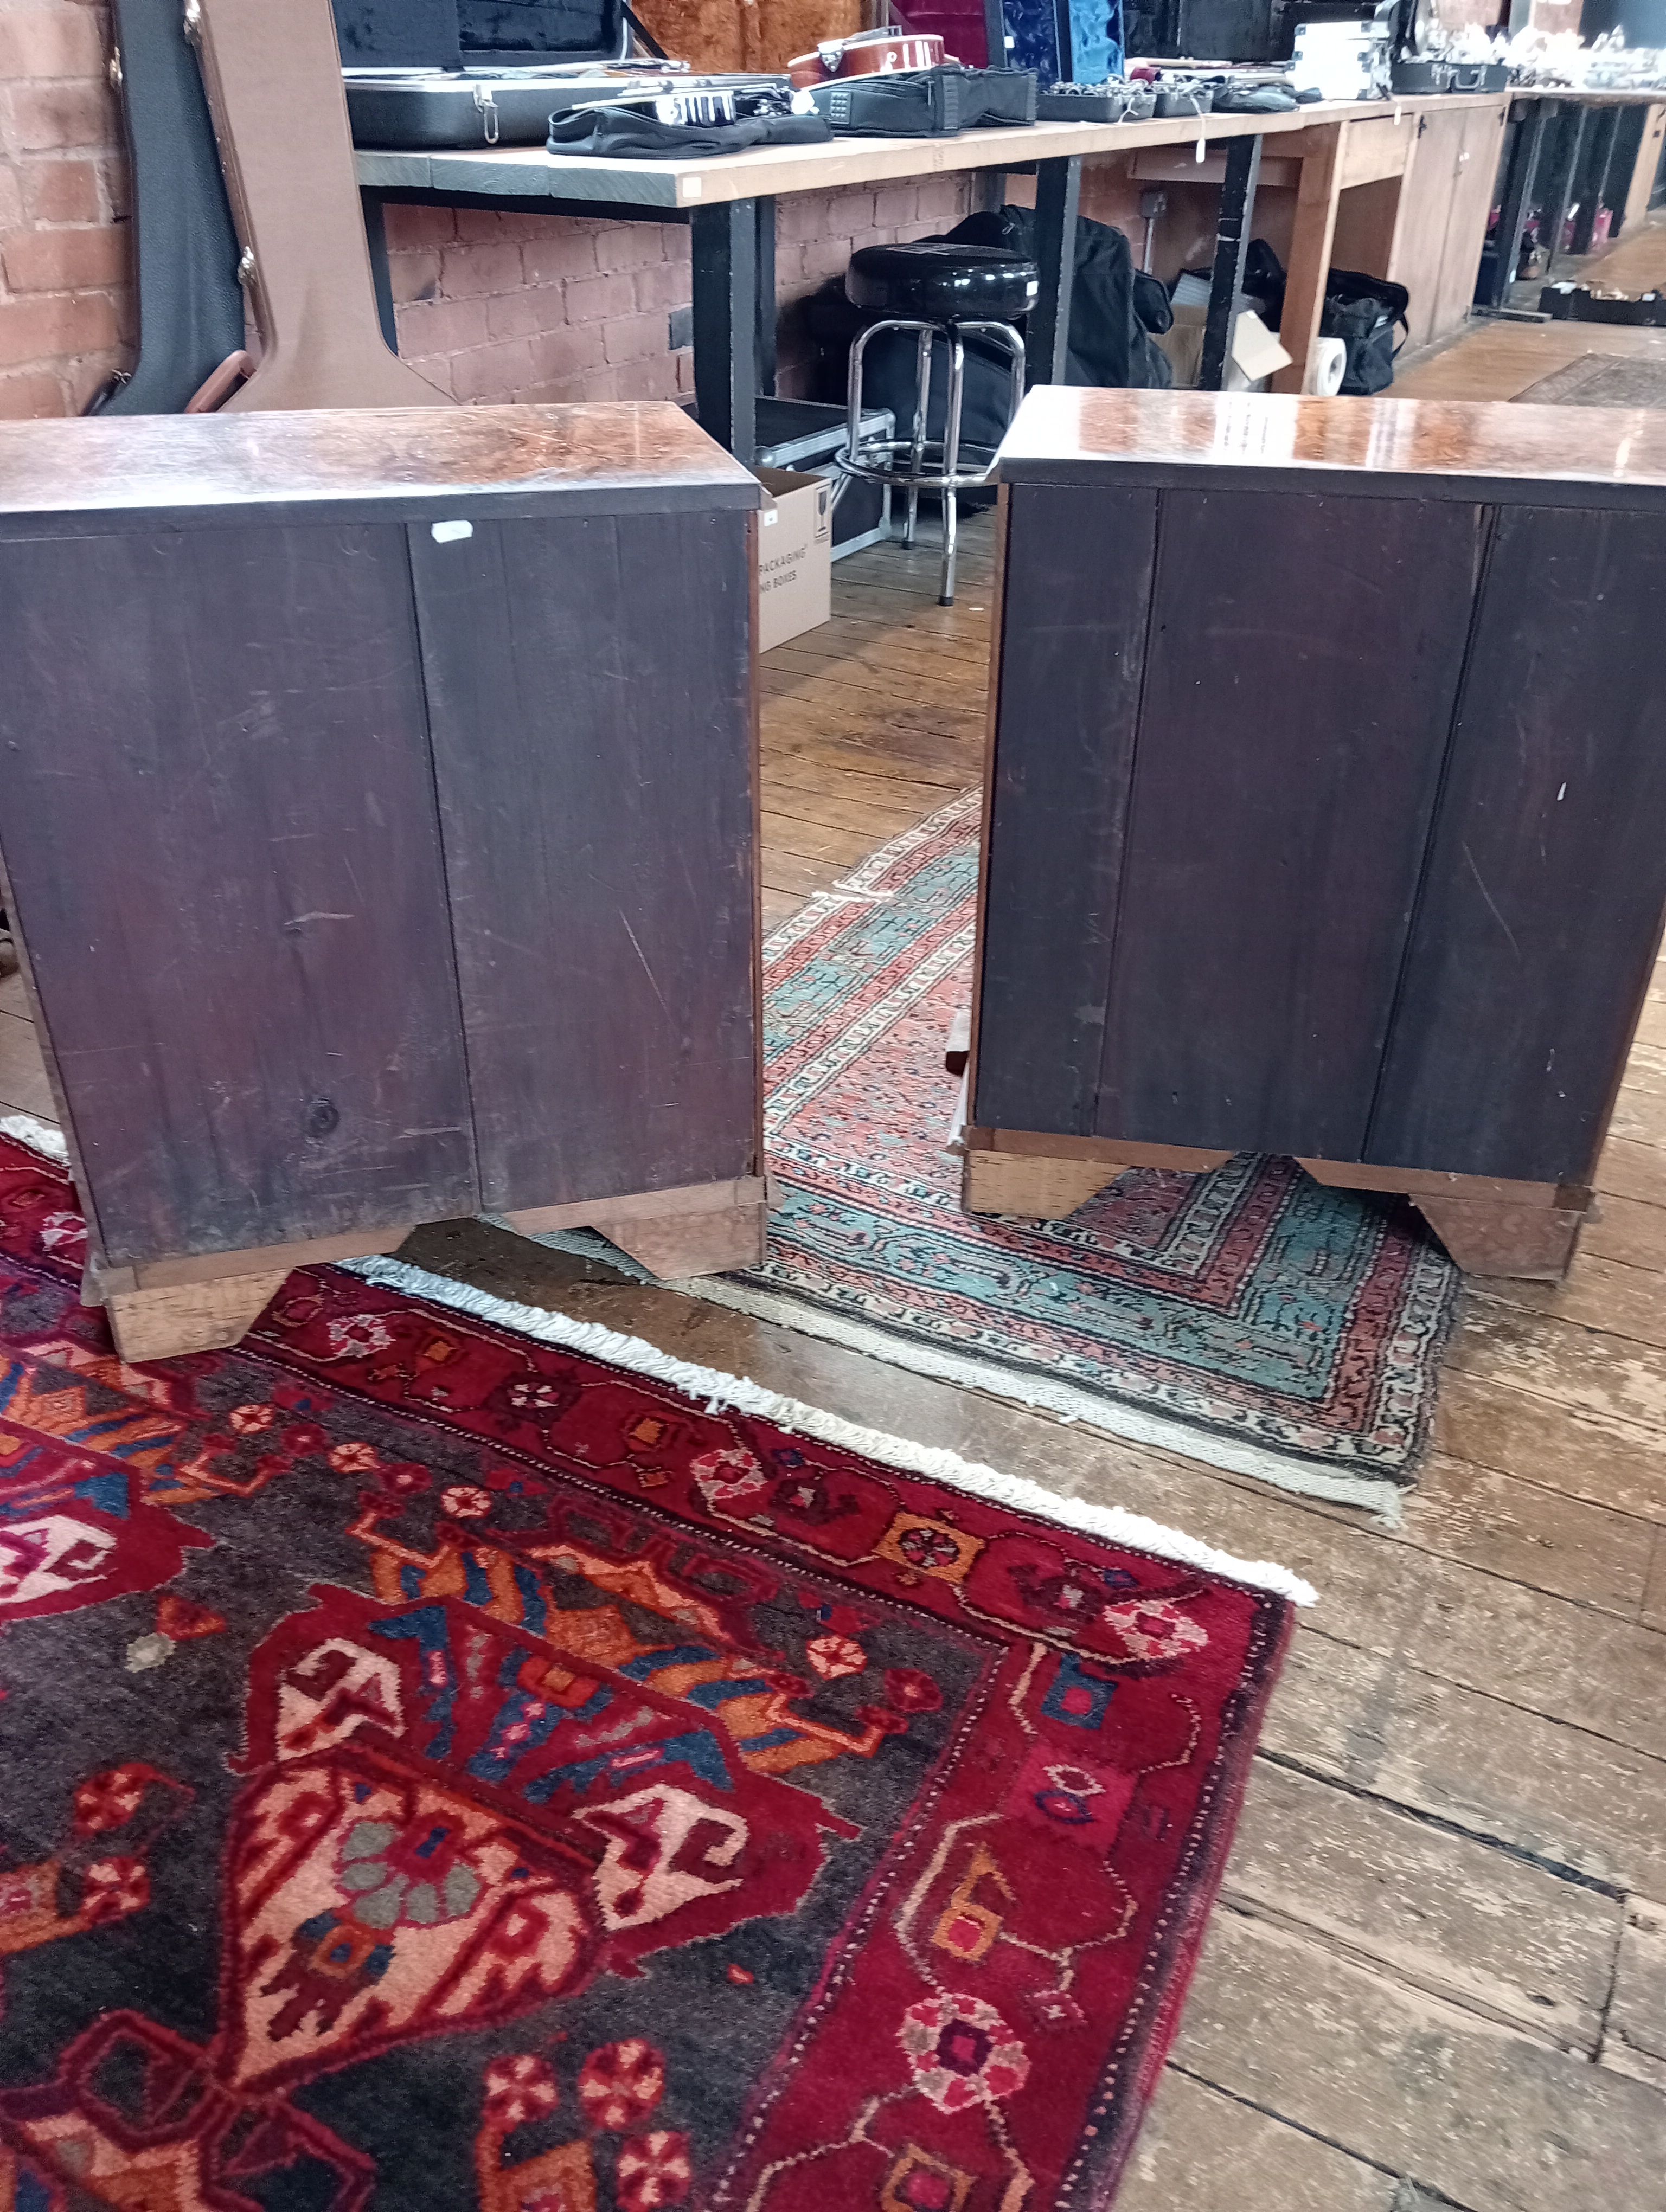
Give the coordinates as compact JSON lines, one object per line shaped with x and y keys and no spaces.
{"x":466,"y":72}
{"x":190,"y":305}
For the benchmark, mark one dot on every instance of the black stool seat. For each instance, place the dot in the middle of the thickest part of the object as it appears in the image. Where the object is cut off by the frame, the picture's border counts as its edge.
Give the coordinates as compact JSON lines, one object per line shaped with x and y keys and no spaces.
{"x":942,"y":281}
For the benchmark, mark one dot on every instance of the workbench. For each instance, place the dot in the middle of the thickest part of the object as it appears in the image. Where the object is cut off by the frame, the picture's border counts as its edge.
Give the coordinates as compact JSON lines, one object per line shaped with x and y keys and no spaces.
{"x":1579,"y":152}
{"x":728,"y":204}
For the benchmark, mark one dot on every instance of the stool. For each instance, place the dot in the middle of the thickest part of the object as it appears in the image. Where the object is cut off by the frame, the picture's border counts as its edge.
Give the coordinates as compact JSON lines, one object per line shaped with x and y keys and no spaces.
{"x":938,"y":289}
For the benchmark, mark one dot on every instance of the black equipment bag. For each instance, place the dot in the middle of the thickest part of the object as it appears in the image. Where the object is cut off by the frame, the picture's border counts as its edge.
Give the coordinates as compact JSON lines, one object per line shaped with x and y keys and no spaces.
{"x":630,"y":134}
{"x":994,"y":96}
{"x":1113,"y":307}
{"x":908,"y":104}
{"x":932,"y":103}
{"x":1363,"y":311}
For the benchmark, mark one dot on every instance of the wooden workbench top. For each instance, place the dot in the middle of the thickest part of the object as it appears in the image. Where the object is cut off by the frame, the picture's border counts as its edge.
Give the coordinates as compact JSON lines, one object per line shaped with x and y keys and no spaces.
{"x":1498,"y":451}
{"x":1620,"y":97}
{"x":416,"y":455}
{"x":527,"y":172}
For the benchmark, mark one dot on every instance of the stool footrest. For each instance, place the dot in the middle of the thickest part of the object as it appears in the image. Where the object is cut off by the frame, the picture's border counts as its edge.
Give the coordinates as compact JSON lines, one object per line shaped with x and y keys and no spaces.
{"x":891,"y":461}
{"x":917,"y":462}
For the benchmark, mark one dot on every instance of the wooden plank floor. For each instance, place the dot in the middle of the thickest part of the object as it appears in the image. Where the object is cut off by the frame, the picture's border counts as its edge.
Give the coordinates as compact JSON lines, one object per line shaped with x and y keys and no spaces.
{"x":1497,"y":361}
{"x":1437,"y":1976}
{"x":871,"y":722}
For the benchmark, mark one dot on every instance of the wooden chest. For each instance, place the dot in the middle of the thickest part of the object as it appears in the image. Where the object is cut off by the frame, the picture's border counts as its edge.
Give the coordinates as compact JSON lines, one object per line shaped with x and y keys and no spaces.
{"x":1327,"y":800}
{"x":377,"y":801}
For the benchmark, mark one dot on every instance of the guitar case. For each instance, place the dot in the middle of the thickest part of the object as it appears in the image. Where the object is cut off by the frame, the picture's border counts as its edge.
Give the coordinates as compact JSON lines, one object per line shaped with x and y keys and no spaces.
{"x":478,"y":33}
{"x":458,"y":73}
{"x":274,"y":83}
{"x":439,"y":111}
{"x":190,"y":304}
{"x":399,"y":33}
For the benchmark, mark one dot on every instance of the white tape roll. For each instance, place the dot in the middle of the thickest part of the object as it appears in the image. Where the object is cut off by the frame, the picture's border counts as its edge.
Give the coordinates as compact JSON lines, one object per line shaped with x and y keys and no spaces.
{"x":1325,"y":366}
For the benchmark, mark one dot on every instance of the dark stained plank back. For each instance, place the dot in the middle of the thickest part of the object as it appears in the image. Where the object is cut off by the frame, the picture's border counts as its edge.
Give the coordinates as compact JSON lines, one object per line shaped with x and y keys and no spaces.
{"x":1077,"y":582}
{"x":217,"y":815}
{"x":587,"y":682}
{"x":1548,"y":849}
{"x":1303,"y":665}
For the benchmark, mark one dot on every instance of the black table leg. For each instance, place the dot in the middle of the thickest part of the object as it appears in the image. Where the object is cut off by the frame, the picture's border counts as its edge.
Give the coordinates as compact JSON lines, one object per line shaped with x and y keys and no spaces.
{"x":1592,"y":175}
{"x":1560,"y":184}
{"x":1521,"y":173}
{"x":1237,"y":213}
{"x":375,"y":237}
{"x":1622,"y":163}
{"x":1058,"y":195}
{"x":766,"y":296}
{"x":725,"y":324}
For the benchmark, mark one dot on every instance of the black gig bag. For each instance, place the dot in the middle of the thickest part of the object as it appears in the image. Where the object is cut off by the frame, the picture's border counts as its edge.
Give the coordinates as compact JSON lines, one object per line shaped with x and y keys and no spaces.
{"x":1363,"y":311}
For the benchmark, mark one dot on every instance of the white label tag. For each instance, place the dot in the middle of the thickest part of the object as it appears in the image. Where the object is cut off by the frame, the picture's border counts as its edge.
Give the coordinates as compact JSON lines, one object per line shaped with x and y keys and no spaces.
{"x":1199,"y":149}
{"x":447,"y":533}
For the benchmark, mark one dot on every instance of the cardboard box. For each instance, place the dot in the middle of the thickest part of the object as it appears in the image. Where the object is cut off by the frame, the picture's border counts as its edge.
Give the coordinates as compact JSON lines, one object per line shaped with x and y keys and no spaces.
{"x":1257,"y":352}
{"x":794,"y":555}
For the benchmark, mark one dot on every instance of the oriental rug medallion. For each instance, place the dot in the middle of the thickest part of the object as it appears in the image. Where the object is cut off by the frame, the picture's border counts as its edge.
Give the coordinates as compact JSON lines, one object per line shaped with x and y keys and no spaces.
{"x":453,"y":1759}
{"x":1250,"y":1318}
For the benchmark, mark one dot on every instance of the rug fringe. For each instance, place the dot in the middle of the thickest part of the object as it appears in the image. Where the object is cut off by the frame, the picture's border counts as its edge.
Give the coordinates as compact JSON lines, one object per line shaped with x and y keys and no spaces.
{"x":720,"y":1391}
{"x":39,"y":1136}
{"x":1376,"y":1493}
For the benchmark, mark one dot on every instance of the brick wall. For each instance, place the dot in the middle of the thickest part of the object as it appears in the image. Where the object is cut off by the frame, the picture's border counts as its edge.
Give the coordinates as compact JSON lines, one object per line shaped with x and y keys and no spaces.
{"x":490,"y":306}
{"x":536,"y":307}
{"x":65,"y":299}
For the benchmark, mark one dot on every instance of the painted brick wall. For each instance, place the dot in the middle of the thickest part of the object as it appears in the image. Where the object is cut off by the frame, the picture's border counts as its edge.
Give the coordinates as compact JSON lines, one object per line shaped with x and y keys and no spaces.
{"x":66,"y":299}
{"x":490,"y":306}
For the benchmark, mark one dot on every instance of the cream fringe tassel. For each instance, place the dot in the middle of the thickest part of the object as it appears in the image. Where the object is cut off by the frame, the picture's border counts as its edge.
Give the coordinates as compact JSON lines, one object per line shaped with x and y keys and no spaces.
{"x":720,"y":1392}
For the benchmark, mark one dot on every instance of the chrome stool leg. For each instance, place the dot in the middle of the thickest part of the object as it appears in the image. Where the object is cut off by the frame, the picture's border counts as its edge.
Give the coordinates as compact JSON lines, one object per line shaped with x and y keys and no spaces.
{"x":951,"y":462}
{"x":923,"y":389}
{"x":853,"y":432}
{"x":932,"y":463}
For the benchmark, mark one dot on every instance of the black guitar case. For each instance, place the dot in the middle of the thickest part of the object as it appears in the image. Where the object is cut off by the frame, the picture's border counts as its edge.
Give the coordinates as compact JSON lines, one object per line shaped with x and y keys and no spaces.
{"x":448,"y":69}
{"x":190,"y":305}
{"x":402,"y":34}
{"x":477,"y":33}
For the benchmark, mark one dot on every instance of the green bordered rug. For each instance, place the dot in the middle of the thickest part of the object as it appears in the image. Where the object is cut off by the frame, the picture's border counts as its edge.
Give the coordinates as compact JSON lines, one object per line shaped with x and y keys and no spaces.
{"x":1250,"y":1318}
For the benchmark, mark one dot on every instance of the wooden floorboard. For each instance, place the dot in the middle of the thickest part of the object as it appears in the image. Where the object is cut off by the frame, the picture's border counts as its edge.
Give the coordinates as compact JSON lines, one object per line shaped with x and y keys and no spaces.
{"x":23,"y":1086}
{"x":1436,"y":1979}
{"x":876,"y":719}
{"x":1499,"y":359}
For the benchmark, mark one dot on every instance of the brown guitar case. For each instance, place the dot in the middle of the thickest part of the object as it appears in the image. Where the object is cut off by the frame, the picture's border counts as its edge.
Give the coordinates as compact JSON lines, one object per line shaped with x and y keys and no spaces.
{"x":273,"y":77}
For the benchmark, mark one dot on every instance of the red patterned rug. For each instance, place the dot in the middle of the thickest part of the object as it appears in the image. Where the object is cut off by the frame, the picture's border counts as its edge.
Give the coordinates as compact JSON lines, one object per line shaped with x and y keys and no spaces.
{"x":443,"y":1768}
